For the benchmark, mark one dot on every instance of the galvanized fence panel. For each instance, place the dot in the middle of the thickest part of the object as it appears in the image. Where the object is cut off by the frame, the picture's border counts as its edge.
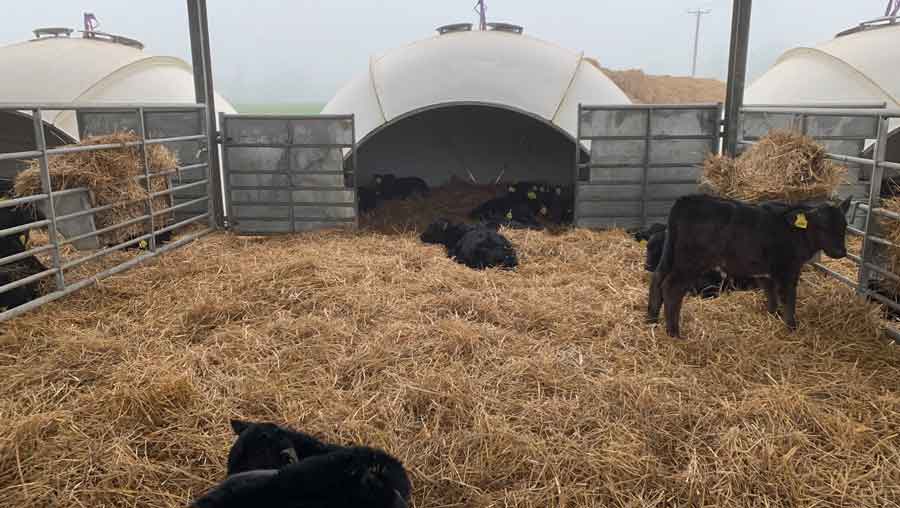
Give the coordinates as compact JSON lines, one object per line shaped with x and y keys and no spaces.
{"x":642,"y":158}
{"x":286,"y":174}
{"x":845,"y":130}
{"x":841,"y":129}
{"x":78,"y":249}
{"x":192,"y":154}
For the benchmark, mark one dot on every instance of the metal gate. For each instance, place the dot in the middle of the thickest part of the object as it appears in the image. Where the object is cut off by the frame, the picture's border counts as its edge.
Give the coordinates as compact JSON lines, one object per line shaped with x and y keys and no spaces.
{"x":286,"y":174}
{"x":642,"y":158}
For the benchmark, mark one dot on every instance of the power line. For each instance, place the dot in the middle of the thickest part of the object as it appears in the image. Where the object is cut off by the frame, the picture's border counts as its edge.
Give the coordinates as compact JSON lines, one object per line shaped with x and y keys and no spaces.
{"x":698,"y":13}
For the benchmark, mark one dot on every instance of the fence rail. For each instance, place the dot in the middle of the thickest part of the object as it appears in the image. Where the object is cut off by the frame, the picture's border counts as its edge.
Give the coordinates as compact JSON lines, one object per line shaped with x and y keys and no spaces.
{"x":52,"y":210}
{"x":868,"y":268}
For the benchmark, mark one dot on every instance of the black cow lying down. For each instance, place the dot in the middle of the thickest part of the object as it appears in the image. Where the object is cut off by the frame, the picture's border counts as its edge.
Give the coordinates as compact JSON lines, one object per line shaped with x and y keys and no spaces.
{"x":348,"y":478}
{"x":390,"y":187}
{"x":271,"y":465}
{"x":709,"y":285}
{"x":508,"y":211}
{"x":474,"y":246}
{"x":770,"y":241}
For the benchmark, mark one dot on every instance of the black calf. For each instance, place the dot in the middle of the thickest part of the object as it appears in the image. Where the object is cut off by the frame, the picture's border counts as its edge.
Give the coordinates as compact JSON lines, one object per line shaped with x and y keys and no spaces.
{"x":390,"y":187}
{"x":368,"y":199}
{"x":507,"y":210}
{"x":347,"y":478}
{"x":709,"y":285}
{"x":770,"y":241}
{"x":266,"y":445}
{"x":17,"y":270}
{"x":474,"y":246}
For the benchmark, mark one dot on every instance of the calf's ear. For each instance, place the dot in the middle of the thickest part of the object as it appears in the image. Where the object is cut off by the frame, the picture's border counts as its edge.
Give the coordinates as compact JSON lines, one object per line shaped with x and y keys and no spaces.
{"x":239,"y":426}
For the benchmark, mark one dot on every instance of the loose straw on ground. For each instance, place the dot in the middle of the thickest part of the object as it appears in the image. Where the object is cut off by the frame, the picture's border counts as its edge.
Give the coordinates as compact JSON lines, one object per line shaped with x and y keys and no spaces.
{"x":537,"y":388}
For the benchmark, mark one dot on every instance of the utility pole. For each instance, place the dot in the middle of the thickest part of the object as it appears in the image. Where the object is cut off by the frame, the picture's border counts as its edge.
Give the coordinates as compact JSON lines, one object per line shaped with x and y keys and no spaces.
{"x":481,"y":9}
{"x":698,"y":13}
{"x":737,"y":72}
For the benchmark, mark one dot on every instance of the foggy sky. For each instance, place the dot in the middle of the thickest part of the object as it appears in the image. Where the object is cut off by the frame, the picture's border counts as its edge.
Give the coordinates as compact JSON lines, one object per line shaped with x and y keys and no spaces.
{"x":267,"y":51}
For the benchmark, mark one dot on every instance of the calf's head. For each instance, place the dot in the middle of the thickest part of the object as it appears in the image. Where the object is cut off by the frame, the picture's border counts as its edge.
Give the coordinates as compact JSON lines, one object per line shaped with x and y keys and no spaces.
{"x":826,"y":227}
{"x":260,"y":446}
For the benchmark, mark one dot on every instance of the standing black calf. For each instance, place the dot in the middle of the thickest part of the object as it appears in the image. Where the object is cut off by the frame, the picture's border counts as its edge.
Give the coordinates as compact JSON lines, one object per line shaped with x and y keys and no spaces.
{"x":263,"y":445}
{"x":391,"y":187}
{"x":709,"y":285}
{"x":347,"y":478}
{"x":771,"y":241}
{"x":474,"y":246}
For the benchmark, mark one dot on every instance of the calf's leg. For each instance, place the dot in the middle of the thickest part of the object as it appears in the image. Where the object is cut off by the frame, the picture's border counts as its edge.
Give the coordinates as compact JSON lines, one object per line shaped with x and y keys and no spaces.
{"x":674,"y":289}
{"x":655,"y":298}
{"x":771,"y":295}
{"x":789,"y":296}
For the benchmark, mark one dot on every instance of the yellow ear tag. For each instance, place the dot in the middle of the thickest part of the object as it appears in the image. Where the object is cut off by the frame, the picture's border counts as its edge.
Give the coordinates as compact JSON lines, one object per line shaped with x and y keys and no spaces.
{"x":643,"y":243}
{"x":532,"y":195}
{"x":543,"y":210}
{"x":509,"y":215}
{"x":143,"y":244}
{"x":511,"y":189}
{"x":801,"y":222}
{"x":23,"y":239}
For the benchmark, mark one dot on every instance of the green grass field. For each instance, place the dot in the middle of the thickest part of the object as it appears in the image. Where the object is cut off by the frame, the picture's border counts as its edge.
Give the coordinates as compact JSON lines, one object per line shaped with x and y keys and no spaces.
{"x":287,"y":108}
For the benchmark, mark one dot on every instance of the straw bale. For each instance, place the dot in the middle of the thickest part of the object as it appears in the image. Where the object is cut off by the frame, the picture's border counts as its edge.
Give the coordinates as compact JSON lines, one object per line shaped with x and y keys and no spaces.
{"x":535,"y":388}
{"x":108,"y":174}
{"x":783,"y":166}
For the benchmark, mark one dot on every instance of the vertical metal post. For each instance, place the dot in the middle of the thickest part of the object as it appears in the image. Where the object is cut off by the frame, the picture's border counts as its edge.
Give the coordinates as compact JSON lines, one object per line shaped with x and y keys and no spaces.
{"x":871,"y":228}
{"x":646,"y":167}
{"x":355,"y":179}
{"x":737,"y":72}
{"x":576,"y":183}
{"x":203,"y":89}
{"x":47,"y":188}
{"x":226,"y":184}
{"x":145,"y":156}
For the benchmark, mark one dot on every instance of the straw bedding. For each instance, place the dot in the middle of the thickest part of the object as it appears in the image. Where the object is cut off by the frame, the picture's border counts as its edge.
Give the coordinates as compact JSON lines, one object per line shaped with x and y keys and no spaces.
{"x":109,"y":175}
{"x":783,"y":166}
{"x":537,"y":388}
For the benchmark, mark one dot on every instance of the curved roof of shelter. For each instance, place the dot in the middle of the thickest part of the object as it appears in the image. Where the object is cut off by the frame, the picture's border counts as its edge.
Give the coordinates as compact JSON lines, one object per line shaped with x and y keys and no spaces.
{"x":494,"y":67}
{"x":88,"y":70}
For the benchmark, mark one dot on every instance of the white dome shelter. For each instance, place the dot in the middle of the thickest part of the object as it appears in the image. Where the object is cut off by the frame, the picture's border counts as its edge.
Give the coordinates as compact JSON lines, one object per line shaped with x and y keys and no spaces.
{"x":472,"y":104}
{"x":860,"y":65}
{"x":97,"y":69}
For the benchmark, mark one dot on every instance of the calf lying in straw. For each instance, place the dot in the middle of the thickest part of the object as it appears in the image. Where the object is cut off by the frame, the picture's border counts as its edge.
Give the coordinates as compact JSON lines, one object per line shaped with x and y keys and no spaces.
{"x":771,"y":242}
{"x":474,"y":246}
{"x":269,"y":446}
{"x":11,"y":245}
{"x":347,"y":478}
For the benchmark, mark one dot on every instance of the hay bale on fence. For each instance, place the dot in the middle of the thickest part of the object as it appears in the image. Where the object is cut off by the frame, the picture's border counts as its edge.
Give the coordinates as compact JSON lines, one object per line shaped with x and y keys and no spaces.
{"x":109,"y":175}
{"x":783,"y":166}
